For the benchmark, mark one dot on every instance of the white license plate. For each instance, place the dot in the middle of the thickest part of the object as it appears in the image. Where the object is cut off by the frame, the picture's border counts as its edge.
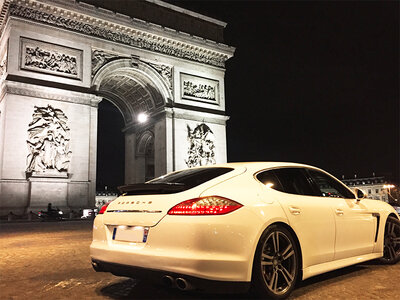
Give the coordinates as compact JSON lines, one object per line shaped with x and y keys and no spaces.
{"x":135,"y":234}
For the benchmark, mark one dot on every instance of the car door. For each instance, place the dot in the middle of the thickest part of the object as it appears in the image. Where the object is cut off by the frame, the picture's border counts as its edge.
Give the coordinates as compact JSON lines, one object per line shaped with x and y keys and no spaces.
{"x":310,"y":218}
{"x":355,"y":223}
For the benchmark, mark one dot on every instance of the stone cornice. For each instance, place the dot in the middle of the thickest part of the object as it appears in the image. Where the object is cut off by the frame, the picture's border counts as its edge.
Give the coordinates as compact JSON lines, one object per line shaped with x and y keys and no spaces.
{"x":4,"y":14}
{"x":25,"y":89}
{"x":197,"y":116}
{"x":101,"y":23}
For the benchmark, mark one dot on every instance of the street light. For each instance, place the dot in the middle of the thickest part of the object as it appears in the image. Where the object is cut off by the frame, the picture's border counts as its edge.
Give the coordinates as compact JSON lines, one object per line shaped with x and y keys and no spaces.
{"x":142,"y":117}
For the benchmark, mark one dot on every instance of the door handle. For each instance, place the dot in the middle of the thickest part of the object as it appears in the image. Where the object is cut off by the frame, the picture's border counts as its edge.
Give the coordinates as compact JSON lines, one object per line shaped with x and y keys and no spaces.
{"x":294,"y":210}
{"x":339,"y":212}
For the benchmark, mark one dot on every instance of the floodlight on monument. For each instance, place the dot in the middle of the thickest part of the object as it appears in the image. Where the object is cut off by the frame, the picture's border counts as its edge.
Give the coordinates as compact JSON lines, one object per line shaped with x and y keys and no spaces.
{"x":142,"y":117}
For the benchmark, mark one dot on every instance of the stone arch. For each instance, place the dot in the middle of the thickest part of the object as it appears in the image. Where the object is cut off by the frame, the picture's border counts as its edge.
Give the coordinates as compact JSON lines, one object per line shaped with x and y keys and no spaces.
{"x":134,"y":87}
{"x":116,"y":79}
{"x":145,"y":153}
{"x":144,"y":140}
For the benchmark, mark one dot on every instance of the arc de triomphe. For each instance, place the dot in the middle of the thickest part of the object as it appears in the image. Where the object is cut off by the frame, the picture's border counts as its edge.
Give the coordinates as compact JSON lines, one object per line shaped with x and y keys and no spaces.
{"x":60,"y":58}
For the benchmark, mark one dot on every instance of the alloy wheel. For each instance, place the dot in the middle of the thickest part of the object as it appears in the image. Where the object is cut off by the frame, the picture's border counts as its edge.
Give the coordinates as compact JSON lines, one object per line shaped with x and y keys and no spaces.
{"x":391,"y":251}
{"x":278,"y":262}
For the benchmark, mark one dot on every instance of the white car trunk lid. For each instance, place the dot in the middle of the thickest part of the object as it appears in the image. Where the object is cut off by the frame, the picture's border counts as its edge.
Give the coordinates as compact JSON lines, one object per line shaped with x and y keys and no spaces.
{"x":150,"y":202}
{"x":143,"y":210}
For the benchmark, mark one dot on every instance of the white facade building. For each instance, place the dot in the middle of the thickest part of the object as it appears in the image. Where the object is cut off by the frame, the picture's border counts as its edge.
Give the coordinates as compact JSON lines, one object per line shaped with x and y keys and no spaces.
{"x":372,"y":187}
{"x":59,"y":59}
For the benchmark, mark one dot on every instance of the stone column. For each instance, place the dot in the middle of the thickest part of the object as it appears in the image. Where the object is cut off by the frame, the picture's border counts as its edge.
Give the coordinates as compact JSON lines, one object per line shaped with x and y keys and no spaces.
{"x":92,"y":156}
{"x":130,"y":165}
{"x":160,"y":148}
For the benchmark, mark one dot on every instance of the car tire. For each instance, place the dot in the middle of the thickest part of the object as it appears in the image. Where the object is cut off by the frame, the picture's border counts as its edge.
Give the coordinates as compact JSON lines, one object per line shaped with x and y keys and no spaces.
{"x":276,"y":263}
{"x":391,"y":242}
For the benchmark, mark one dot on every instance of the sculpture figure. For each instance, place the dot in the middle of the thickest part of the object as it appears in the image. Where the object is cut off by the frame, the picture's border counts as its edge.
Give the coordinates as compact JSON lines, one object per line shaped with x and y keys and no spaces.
{"x":48,"y":141}
{"x":201,"y":146}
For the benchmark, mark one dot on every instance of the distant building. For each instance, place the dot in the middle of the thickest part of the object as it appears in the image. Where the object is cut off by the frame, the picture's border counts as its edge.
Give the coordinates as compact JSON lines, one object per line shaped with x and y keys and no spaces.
{"x":372,"y":187}
{"x":102,"y":197}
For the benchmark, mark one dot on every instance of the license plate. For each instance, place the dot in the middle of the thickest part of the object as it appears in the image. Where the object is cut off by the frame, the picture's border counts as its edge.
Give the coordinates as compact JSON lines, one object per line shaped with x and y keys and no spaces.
{"x":134,"y":234}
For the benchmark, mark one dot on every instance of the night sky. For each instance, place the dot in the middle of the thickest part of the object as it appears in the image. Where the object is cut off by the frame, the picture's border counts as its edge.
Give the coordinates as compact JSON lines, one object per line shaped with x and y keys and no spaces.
{"x":310,"y":82}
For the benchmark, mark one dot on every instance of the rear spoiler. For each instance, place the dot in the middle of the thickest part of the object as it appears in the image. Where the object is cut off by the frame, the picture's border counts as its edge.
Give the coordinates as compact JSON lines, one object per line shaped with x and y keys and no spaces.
{"x":151,"y":188}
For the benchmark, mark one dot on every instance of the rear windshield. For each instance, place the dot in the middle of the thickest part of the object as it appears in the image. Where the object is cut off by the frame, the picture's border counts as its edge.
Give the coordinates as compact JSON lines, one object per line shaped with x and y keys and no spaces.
{"x":191,"y":177}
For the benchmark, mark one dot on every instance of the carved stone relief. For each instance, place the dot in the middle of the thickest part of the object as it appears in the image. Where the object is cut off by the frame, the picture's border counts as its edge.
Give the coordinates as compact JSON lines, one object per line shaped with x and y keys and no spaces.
{"x":199,"y":89}
{"x":201,"y":146}
{"x":52,"y":59}
{"x":165,"y":72}
{"x":3,"y":65}
{"x":133,"y":38}
{"x":100,"y":58}
{"x":48,"y":142}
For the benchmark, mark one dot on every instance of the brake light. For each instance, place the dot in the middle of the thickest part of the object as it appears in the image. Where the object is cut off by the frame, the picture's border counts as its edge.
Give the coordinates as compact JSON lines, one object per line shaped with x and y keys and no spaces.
{"x":211,"y":205}
{"x":104,"y":207}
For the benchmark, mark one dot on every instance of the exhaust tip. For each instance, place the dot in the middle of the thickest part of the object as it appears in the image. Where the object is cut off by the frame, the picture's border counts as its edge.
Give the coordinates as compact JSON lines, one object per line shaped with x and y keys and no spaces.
{"x":167,"y":280}
{"x":96,"y":266}
{"x":183,"y":284}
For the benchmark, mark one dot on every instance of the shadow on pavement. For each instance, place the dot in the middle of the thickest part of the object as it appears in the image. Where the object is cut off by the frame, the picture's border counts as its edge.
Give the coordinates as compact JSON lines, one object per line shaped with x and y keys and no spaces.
{"x":135,"y":289}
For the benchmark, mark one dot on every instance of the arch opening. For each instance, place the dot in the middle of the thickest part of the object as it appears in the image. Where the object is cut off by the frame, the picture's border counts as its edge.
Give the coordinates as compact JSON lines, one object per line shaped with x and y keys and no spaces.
{"x":110,"y":147}
{"x":134,"y":90}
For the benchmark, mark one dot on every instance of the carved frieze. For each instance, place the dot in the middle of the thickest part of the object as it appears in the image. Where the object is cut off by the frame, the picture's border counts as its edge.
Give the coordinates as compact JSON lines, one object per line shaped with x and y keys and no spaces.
{"x":201,"y":151}
{"x":133,"y":38}
{"x":48,"y":142}
{"x":100,"y":58}
{"x":165,"y":72}
{"x":51,"y":59}
{"x":3,"y":65}
{"x":199,"y":89}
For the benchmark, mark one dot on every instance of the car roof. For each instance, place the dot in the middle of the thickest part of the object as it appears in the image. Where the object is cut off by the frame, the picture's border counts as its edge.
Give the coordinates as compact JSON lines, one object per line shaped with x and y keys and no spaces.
{"x":255,"y":166}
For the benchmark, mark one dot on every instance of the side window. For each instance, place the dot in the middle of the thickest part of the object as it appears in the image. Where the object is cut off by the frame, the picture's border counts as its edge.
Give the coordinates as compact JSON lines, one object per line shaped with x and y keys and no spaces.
{"x":329,"y":186}
{"x":294,"y":181}
{"x":269,"y":179}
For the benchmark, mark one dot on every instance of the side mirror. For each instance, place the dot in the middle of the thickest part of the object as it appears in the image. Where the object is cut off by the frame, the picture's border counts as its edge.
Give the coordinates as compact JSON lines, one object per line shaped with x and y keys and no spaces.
{"x":359,"y":194}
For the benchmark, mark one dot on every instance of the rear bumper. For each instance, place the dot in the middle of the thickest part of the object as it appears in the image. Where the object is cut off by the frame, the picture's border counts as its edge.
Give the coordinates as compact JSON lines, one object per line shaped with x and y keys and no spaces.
{"x":158,"y":276}
{"x":215,"y":249}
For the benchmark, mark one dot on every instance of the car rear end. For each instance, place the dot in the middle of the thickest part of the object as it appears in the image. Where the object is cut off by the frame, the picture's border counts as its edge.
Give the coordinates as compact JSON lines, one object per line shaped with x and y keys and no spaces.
{"x":177,"y":233}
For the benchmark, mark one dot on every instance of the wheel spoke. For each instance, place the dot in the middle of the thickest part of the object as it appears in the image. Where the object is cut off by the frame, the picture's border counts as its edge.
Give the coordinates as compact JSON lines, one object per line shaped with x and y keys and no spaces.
{"x":266,"y":256}
{"x":274,"y":282}
{"x":266,"y":263}
{"x":275,"y":240}
{"x":289,"y":247}
{"x":289,"y":251}
{"x":390,"y":228}
{"x":396,"y":241}
{"x":392,"y":252}
{"x":288,"y":277}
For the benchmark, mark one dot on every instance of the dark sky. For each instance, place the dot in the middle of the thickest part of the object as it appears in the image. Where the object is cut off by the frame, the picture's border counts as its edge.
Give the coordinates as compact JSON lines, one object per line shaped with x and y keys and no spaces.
{"x":312,"y":82}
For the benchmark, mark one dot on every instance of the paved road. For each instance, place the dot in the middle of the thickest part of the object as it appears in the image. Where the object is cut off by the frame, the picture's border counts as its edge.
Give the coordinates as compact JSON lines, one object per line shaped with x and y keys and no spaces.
{"x":51,"y":261}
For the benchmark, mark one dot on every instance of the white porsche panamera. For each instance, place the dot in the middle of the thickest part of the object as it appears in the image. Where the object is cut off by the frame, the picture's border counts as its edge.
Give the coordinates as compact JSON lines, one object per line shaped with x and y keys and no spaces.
{"x":240,"y":225}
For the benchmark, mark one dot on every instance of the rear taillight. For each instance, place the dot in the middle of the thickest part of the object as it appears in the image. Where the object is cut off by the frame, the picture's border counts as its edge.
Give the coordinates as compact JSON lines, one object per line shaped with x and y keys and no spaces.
{"x":104,"y":207}
{"x":211,"y":205}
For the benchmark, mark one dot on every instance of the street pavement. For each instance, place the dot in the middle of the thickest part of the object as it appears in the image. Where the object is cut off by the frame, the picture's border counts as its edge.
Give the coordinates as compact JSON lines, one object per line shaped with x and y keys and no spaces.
{"x":51,"y":261}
